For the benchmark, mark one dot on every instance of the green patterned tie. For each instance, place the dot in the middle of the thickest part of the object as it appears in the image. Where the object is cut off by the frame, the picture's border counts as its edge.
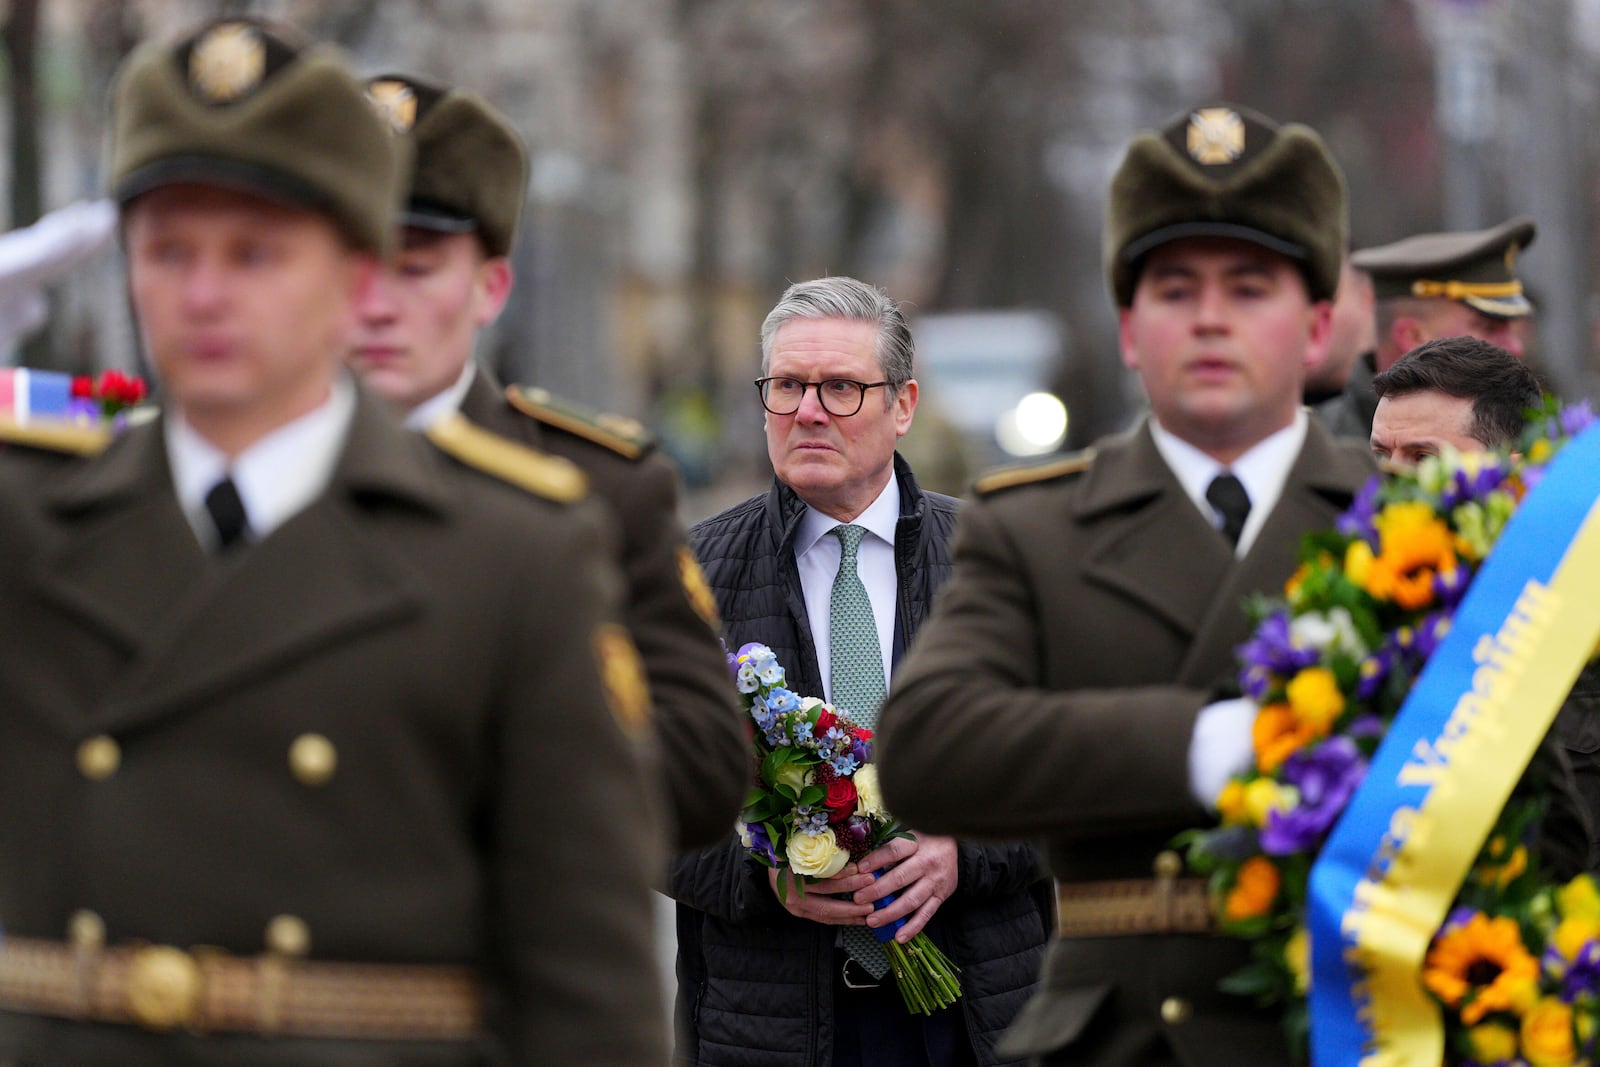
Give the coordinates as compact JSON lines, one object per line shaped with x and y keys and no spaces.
{"x":856,"y":671}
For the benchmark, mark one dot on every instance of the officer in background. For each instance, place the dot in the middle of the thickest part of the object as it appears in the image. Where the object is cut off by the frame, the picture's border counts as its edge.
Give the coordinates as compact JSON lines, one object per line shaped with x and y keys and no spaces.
{"x":1067,"y":686}
{"x":413,"y":344}
{"x":1429,"y":286}
{"x":288,"y":775}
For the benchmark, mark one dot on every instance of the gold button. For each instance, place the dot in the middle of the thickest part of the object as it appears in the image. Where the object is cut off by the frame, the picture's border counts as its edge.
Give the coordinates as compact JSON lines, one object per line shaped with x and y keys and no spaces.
{"x":86,"y":929}
{"x":1175,"y":1010}
{"x":99,"y":757}
{"x":1168,"y":864}
{"x":288,"y":935}
{"x":164,"y":986}
{"x":313,"y":759}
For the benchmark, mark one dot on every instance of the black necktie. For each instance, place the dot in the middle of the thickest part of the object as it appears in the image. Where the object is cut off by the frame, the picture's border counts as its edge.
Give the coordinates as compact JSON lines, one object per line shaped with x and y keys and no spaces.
{"x":1227,"y":495}
{"x":227,"y":513}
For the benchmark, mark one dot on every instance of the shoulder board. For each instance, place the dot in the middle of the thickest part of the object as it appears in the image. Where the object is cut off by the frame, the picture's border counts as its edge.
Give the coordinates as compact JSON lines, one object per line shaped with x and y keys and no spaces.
{"x":543,"y":475}
{"x":68,"y":437}
{"x":1011,"y":477}
{"x":622,"y":435}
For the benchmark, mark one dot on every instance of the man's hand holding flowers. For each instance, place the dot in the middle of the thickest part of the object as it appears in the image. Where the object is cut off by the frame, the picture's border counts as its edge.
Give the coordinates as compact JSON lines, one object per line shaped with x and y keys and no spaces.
{"x":921,"y":871}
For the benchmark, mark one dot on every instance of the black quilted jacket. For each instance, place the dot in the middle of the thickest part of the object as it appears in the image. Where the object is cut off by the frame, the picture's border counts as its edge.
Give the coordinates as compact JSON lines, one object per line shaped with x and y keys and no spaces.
{"x":754,"y":983}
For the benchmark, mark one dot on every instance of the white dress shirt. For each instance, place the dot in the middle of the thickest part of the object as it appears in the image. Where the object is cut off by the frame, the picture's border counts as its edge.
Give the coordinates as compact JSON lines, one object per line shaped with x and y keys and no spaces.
{"x":817,"y":553}
{"x":436,"y":407}
{"x":276,"y":477}
{"x":1262,"y":471}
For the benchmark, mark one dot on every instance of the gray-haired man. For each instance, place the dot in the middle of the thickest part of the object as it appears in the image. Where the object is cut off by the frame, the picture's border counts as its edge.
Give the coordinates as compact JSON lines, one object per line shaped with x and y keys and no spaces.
{"x":758,"y":975}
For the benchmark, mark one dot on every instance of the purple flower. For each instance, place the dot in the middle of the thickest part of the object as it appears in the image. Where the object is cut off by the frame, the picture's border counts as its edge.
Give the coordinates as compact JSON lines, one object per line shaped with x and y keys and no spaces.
{"x":1272,"y":649}
{"x":1451,"y":584}
{"x":1366,"y":726}
{"x":1325,"y":776}
{"x":1575,"y":418}
{"x":1583,"y":975}
{"x":1356,"y":522}
{"x":1374,"y":671}
{"x":1430,"y":631}
{"x":862,"y":751}
{"x":753,"y":836}
{"x":1474,"y":485}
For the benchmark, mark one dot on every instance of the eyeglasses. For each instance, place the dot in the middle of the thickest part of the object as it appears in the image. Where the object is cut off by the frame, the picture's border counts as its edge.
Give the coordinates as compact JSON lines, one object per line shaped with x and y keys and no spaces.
{"x":840,"y":397}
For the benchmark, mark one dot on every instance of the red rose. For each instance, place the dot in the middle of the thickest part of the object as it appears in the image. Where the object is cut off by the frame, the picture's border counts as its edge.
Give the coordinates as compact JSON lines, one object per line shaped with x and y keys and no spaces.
{"x":840,"y":799}
{"x":826,"y":720}
{"x":82,"y":387}
{"x":861,"y":733}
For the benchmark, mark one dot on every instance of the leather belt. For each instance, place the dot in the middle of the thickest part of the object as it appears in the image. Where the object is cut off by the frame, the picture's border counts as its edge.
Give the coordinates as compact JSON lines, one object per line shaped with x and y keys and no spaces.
{"x":163,"y":988}
{"x":1131,"y":907}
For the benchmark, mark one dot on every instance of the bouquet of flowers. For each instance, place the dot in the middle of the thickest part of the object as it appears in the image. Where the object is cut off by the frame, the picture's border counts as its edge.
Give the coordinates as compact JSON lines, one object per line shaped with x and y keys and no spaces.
{"x":815,"y":807}
{"x":1516,"y":966}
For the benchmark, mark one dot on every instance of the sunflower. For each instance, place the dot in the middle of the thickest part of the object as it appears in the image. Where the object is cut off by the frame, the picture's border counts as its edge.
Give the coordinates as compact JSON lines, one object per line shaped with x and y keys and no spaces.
{"x":1482,"y":964}
{"x":1415,"y":545}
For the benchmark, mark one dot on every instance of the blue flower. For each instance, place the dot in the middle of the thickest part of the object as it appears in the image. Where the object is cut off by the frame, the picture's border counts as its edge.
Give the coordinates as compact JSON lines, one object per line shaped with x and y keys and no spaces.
{"x":747,"y":679}
{"x":802,"y":731}
{"x":844,"y":766}
{"x":782,"y":701}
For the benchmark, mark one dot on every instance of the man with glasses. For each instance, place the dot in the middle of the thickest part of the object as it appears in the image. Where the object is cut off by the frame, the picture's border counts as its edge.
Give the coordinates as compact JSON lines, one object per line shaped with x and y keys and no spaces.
{"x":835,"y":568}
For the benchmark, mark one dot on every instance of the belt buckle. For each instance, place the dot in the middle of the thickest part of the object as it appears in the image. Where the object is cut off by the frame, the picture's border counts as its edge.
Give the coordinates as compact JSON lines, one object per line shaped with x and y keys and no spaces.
{"x":164,"y":988}
{"x":844,"y":975}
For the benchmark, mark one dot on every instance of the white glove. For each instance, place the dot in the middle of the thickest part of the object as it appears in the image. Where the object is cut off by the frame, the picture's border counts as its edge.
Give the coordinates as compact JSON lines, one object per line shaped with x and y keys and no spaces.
{"x":32,"y":257}
{"x":1220,"y":748}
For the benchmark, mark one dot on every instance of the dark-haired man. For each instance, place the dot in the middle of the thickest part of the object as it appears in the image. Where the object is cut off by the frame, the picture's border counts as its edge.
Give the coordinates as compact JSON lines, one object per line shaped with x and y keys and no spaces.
{"x":1456,"y":392}
{"x":1067,"y":686}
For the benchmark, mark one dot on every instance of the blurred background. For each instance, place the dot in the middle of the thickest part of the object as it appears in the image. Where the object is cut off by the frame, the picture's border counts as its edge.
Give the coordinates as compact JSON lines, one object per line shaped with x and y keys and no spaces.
{"x":692,"y":157}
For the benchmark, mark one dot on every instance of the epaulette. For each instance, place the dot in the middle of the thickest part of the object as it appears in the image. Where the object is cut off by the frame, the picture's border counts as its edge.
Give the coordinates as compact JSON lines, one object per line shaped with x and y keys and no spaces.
{"x":68,"y":437}
{"x":1010,"y":477}
{"x":543,"y":475}
{"x":622,"y":435}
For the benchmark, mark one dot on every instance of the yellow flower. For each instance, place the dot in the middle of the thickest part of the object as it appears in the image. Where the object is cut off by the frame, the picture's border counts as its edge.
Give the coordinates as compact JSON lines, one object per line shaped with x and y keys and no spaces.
{"x":1255,"y":887}
{"x":1493,"y":1042}
{"x":1263,"y":796}
{"x":1483,"y":963}
{"x":1415,"y":544}
{"x":1547,"y":1039}
{"x":1579,"y":898}
{"x":1230,"y":804}
{"x":1297,"y":954}
{"x":1540,"y":450}
{"x":1357,"y":561}
{"x":1500,"y":875}
{"x":1315,"y":697}
{"x":1572,"y":933}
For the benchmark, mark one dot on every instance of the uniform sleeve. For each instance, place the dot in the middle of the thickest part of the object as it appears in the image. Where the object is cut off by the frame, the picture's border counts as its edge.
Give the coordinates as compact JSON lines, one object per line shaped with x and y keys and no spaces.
{"x":576,"y":832}
{"x":704,"y":749}
{"x":973,"y":744}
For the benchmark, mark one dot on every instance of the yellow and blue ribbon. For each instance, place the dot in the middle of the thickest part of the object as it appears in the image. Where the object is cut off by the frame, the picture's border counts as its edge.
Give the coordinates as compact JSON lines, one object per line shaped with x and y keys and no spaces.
{"x":1385,"y":880}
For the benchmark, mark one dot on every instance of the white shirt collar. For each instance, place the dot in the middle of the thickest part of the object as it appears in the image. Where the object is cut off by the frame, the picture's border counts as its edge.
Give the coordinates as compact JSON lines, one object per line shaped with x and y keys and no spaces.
{"x":880,"y":519}
{"x":439,"y":405}
{"x":1262,"y":471}
{"x":276,"y":477}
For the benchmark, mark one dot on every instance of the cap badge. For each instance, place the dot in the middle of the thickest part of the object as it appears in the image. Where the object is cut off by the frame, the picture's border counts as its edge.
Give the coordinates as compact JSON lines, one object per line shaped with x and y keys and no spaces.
{"x":396,"y":101}
{"x":1216,"y":135}
{"x":227,"y":62}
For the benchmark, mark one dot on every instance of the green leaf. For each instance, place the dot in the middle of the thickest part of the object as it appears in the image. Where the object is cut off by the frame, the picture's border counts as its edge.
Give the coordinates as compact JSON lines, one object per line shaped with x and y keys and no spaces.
{"x":812,"y":794}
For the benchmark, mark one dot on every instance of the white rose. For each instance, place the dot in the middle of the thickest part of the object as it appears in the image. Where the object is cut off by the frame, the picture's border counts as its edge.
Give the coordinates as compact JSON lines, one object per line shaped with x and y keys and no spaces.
{"x":869,"y":798}
{"x":816,"y":855}
{"x":807,"y":703}
{"x":794,"y":775}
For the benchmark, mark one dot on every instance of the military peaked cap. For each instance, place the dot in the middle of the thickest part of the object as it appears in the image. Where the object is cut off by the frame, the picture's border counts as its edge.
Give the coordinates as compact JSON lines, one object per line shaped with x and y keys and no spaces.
{"x":1478,"y":268}
{"x":245,"y":105}
{"x":1224,"y":171}
{"x":469,"y":168}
